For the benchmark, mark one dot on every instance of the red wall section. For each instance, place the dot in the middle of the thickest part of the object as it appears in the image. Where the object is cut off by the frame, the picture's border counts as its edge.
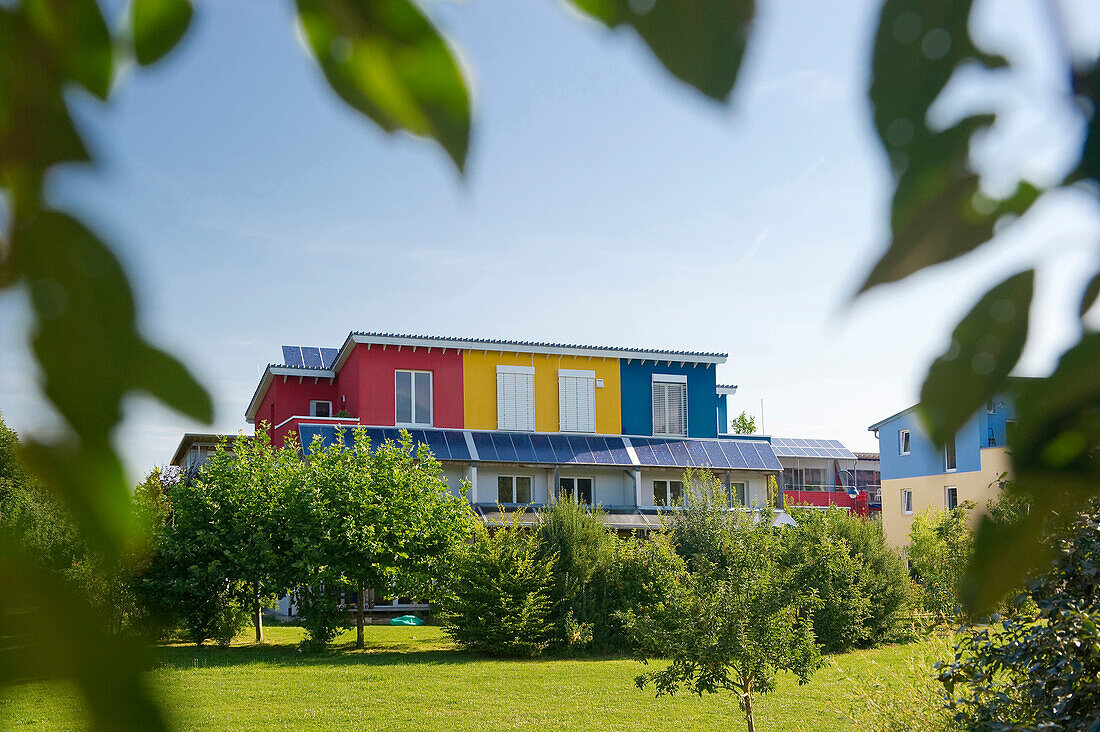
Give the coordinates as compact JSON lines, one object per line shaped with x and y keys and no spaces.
{"x":367,"y":381}
{"x":289,"y":398}
{"x":828,"y":498}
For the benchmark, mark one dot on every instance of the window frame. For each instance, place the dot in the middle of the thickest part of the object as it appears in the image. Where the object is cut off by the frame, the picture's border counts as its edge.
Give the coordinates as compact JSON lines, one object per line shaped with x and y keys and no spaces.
{"x":904,"y":493}
{"x":514,"y":480}
{"x":655,"y":379}
{"x":574,"y":492}
{"x":733,"y":492}
{"x":951,"y":455}
{"x":947,"y":489}
{"x":905,"y":442}
{"x":313,"y":408}
{"x":412,"y":395}
{"x":667,"y":482}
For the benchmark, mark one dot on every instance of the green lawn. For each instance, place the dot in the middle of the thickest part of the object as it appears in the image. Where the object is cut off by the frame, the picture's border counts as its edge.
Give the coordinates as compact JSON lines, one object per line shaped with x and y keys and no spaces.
{"x":412,"y":678}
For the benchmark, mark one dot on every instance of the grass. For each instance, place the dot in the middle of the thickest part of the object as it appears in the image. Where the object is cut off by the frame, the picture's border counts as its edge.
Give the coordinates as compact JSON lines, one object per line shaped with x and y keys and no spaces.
{"x":413,"y":678}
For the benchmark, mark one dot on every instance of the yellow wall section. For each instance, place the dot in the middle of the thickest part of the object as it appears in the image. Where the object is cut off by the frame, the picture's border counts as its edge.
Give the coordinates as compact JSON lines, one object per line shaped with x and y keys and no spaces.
{"x":479,"y":379}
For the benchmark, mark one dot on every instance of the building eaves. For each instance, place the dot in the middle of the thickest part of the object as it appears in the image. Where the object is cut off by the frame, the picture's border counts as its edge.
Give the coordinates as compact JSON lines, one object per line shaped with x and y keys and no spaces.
{"x":892,"y":417}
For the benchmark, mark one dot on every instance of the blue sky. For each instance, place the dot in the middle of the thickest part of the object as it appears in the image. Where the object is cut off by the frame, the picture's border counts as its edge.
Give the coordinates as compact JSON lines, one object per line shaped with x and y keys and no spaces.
{"x":605,"y":203}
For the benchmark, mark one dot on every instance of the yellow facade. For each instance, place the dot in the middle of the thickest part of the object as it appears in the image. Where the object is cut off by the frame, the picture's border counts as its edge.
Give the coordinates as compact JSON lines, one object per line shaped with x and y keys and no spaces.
{"x":979,"y":486}
{"x":479,"y":378}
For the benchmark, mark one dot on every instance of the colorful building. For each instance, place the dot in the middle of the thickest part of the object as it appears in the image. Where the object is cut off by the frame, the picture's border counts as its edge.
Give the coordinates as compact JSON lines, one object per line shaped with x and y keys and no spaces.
{"x":917,"y":474}
{"x":523,"y":422}
{"x":826,"y":473}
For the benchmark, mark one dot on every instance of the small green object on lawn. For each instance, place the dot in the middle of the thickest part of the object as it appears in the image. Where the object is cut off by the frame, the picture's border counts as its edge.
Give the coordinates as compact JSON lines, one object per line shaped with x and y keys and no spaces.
{"x":407,"y":620}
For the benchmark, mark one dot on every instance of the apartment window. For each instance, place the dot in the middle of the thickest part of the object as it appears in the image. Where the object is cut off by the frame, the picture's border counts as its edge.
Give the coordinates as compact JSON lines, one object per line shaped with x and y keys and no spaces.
{"x":576,"y":400}
{"x":951,"y":497}
{"x":906,"y":501}
{"x":320,"y":409}
{"x":513,"y":489}
{"x":667,"y":492}
{"x":949,"y":461}
{"x":516,"y":398}
{"x":739,"y":494}
{"x":669,"y":404}
{"x":579,"y":489}
{"x":414,"y":397}
{"x":812,"y":479}
{"x":903,"y":442}
{"x":990,"y":407}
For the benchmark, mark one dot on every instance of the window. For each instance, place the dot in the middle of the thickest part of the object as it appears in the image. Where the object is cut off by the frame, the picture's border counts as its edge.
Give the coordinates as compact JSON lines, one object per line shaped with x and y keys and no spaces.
{"x":906,"y":501}
{"x":949,"y":455}
{"x":320,"y":409}
{"x":579,"y":489}
{"x":903,"y":442}
{"x":576,"y":400}
{"x":516,"y":398}
{"x":951,"y":496}
{"x":667,"y":492}
{"x":990,"y":407}
{"x":804,"y":479}
{"x":513,"y":489}
{"x":414,"y":397}
{"x":669,"y":404}
{"x":739,"y":495}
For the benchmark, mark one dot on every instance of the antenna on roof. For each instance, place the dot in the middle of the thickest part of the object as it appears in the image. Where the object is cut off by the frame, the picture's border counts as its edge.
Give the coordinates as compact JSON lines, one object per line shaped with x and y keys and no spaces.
{"x":762,"y":430}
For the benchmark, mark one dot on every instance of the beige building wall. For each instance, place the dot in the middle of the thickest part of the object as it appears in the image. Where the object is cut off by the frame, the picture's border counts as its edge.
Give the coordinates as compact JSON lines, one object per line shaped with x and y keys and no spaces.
{"x":979,"y":486}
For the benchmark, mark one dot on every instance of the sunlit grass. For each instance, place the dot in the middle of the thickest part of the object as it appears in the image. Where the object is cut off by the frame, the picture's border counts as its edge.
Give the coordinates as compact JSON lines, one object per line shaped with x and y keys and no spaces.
{"x":413,"y":678}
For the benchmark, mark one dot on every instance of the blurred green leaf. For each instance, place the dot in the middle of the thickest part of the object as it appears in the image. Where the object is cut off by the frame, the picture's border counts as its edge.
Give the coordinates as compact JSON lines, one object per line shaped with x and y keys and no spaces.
{"x":385,"y":59}
{"x":48,"y":631}
{"x":78,"y":37}
{"x":158,"y":25}
{"x":938,"y":211}
{"x":984,"y":348}
{"x":85,"y":336}
{"x":1056,"y":458}
{"x":1088,"y":297}
{"x":700,"y":42}
{"x":35,"y":128}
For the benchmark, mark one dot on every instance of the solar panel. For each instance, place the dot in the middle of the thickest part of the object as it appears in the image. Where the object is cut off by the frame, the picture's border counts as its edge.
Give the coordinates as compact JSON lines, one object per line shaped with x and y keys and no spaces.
{"x":483,"y":442}
{"x":771,"y":462}
{"x":525,"y":449}
{"x":456,"y":443}
{"x":617,"y":450}
{"x":311,"y":357}
{"x":597,"y":447}
{"x":661,"y":453}
{"x":544,"y":453}
{"x":697,"y":454}
{"x":715,"y":457}
{"x":644,"y":451}
{"x":437,"y":443}
{"x":562,"y":451}
{"x":506,"y":451}
{"x":292,"y":355}
{"x":578,"y":446}
{"x":328,"y":355}
{"x":679,"y":453}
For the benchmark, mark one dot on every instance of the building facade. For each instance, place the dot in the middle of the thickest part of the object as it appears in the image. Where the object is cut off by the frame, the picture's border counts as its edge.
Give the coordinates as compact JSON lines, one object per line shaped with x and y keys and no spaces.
{"x":826,"y":473}
{"x":916,"y":474}
{"x":518,"y":423}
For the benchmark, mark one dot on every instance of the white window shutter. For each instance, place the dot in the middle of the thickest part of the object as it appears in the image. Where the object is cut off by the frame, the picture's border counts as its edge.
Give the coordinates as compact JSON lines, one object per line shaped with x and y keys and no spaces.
{"x":515,"y":401}
{"x":669,"y":408}
{"x":577,"y":402}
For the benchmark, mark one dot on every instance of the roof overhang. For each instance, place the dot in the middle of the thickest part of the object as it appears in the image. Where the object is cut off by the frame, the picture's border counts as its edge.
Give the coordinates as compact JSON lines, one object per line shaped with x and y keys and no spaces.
{"x":892,"y":417}
{"x":473,"y":344}
{"x":269,"y":376}
{"x":726,"y":389}
{"x":190,"y":438}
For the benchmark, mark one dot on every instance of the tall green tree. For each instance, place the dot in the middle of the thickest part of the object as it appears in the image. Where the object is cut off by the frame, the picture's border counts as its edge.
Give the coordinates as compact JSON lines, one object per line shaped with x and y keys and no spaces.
{"x":735,"y":618}
{"x":743,"y":424}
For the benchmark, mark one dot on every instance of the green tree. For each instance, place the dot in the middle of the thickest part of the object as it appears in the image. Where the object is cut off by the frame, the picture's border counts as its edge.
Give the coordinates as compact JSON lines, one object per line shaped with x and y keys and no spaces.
{"x":734,"y":619}
{"x":940,"y":544}
{"x":743,"y":424}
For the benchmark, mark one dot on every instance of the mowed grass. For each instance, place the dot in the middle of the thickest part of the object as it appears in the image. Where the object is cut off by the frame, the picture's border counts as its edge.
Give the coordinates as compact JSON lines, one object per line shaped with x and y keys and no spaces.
{"x":414,"y":678}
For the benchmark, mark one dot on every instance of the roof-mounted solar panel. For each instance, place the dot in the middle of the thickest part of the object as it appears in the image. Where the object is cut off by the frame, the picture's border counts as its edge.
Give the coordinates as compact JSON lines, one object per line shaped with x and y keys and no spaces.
{"x":292,"y":355}
{"x":328,"y":356}
{"x":311,"y":356}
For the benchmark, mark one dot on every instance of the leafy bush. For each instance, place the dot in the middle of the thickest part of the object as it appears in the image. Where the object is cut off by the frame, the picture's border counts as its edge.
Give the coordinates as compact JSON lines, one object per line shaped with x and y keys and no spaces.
{"x":861,"y":584}
{"x":320,"y":613}
{"x":500,"y":601}
{"x":1038,"y":670}
{"x":940,"y":545}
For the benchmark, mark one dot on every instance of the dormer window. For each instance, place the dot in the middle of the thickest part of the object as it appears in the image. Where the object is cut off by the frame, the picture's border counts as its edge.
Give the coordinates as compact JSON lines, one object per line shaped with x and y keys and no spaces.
{"x":318,"y":408}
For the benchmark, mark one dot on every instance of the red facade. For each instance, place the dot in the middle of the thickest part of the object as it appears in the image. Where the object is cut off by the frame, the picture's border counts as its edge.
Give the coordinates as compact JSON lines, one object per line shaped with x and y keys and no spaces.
{"x":365,"y":388}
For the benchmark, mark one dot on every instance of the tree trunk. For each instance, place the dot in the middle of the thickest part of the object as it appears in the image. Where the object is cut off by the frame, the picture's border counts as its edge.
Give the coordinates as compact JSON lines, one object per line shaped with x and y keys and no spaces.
{"x":359,"y":616}
{"x":748,"y":711}
{"x":257,"y":615}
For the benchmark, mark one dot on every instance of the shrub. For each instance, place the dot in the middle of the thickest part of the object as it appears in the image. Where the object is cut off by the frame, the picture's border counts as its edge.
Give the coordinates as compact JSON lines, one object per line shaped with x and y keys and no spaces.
{"x":1038,"y":670}
{"x":940,"y":545}
{"x":500,"y":601}
{"x":861,"y":584}
{"x":319,"y":612}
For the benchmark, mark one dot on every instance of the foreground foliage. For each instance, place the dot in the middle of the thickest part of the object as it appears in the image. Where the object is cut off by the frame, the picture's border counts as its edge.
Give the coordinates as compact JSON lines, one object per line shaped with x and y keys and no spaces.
{"x":1038,"y":670}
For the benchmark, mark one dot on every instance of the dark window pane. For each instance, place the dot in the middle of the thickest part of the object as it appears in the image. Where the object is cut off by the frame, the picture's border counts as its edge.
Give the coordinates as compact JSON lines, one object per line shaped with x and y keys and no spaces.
{"x":404,"y":397}
{"x":660,"y":493}
{"x":504,"y":489}
{"x":676,"y":488}
{"x":423,"y":398}
{"x":584,"y":490}
{"x":565,"y":487}
{"x":523,"y":489}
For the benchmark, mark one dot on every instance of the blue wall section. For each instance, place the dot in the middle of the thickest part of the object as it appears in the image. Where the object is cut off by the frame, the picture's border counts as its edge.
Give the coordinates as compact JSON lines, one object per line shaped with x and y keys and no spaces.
{"x":637,"y":396}
{"x":924,"y":458}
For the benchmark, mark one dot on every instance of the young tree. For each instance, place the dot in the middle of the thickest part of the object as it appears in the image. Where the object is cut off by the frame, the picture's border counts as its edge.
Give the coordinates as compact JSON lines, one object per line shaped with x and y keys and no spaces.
{"x":734,"y":619}
{"x":940,"y":545}
{"x":743,"y":424}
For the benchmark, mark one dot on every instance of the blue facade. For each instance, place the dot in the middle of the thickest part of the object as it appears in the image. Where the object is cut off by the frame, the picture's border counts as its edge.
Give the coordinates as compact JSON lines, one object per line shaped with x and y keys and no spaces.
{"x":980,"y":431}
{"x":637,"y":396}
